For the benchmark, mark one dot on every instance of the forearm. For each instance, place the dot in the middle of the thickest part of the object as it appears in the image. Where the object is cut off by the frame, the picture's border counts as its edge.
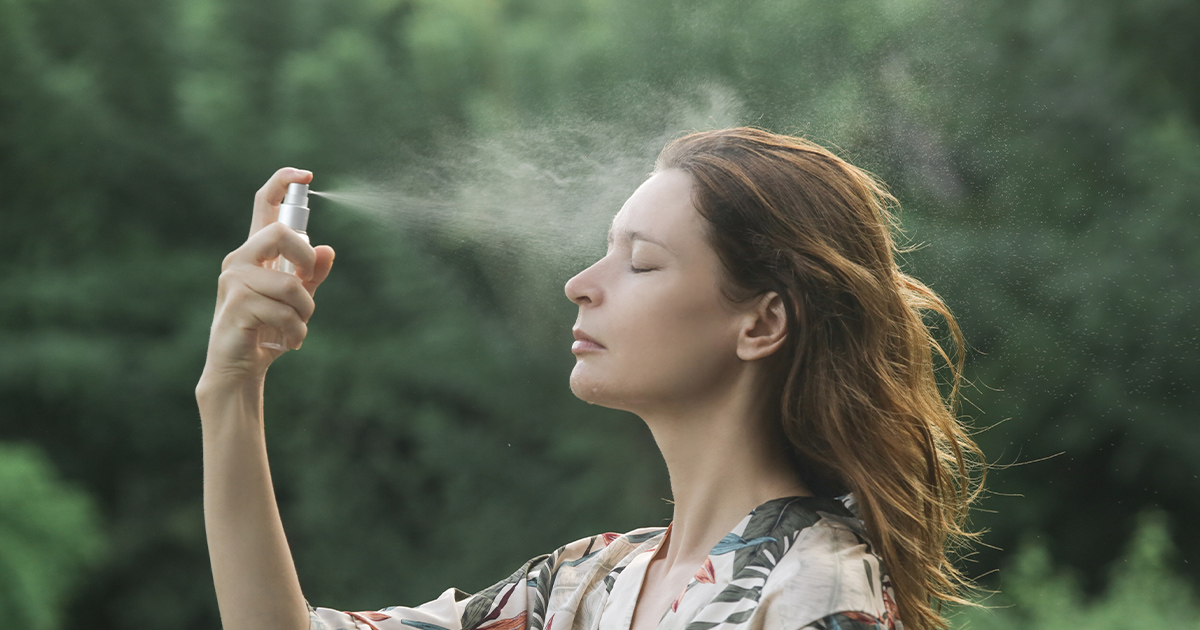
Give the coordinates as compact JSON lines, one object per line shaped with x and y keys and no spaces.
{"x":255,"y":578}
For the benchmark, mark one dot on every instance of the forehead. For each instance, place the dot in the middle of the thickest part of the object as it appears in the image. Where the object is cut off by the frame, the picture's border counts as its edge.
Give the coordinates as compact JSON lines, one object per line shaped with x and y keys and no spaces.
{"x":661,"y":209}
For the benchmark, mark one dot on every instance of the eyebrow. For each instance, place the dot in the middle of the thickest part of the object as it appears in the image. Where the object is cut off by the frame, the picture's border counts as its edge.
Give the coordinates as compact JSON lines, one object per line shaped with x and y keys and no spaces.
{"x":634,"y":235}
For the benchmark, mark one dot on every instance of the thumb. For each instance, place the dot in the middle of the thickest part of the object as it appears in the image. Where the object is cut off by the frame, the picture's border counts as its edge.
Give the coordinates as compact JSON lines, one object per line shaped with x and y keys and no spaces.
{"x":321,"y":267}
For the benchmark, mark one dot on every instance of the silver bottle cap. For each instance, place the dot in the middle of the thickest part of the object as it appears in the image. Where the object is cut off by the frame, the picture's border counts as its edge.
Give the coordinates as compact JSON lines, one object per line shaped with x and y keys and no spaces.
{"x":293,"y":212}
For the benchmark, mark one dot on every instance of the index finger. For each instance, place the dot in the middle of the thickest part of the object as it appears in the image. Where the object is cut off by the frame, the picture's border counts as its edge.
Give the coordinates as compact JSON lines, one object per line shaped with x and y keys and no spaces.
{"x":268,"y":198}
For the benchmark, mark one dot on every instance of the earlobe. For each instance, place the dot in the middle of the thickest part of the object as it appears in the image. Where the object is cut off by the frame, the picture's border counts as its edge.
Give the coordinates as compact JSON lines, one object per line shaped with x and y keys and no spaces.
{"x":766,"y":328}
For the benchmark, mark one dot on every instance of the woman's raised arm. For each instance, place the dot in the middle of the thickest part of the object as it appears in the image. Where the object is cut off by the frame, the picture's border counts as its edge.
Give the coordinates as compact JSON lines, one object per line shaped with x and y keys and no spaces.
{"x":253,"y":572}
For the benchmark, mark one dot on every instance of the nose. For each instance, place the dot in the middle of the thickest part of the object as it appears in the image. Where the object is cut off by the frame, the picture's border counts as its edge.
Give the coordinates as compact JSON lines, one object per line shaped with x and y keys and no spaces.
{"x":581,"y":289}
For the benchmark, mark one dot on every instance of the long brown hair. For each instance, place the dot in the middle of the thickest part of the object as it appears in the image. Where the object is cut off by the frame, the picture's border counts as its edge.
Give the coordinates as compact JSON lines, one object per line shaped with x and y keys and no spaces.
{"x":858,"y":379}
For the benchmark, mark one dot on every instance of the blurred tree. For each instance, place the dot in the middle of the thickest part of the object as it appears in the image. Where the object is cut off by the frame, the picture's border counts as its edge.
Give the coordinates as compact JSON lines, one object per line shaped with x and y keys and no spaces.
{"x":49,"y":535}
{"x":1145,"y":590}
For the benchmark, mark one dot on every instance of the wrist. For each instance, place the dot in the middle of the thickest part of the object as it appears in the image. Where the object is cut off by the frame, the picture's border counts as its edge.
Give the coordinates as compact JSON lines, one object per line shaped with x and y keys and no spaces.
{"x":217,"y":391}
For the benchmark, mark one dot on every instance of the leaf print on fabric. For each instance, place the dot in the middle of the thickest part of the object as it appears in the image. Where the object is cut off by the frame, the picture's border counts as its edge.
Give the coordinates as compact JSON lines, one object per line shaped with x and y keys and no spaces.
{"x":609,"y":537}
{"x":861,"y":617}
{"x":513,"y":623}
{"x":611,"y":579}
{"x":781,"y":520}
{"x":769,"y":532}
{"x":591,"y":550}
{"x":734,"y":593}
{"x":638,"y":539}
{"x":849,"y":620}
{"x":733,"y":542}
{"x":539,"y":593}
{"x":738,"y":617}
{"x":578,"y":561}
{"x":482,"y":603}
{"x":503,"y":600}
{"x":678,"y":598}
{"x":420,"y":625}
{"x":891,"y":611}
{"x":361,"y":617}
{"x":706,"y":575}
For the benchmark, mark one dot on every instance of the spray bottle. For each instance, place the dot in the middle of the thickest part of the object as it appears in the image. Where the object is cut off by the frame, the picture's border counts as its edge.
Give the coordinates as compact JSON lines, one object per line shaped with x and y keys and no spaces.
{"x":293,"y":212}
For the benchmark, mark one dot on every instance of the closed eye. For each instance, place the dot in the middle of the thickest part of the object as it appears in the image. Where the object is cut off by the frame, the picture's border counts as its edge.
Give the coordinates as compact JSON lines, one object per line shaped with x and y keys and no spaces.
{"x":640,"y":270}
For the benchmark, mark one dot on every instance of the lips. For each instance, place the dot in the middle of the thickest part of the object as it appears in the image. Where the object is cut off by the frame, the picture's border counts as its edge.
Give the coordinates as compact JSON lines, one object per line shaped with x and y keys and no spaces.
{"x":584,"y":342}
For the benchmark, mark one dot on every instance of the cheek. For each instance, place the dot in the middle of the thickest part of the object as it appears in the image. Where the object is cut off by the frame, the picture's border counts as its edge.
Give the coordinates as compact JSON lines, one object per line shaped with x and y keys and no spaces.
{"x":686,"y":350}
{"x":677,"y":327}
{"x":673,"y":342}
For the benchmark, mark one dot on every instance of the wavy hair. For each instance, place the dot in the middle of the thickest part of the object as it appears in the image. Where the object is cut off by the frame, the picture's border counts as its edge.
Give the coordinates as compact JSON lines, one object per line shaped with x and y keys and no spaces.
{"x":857,"y":378}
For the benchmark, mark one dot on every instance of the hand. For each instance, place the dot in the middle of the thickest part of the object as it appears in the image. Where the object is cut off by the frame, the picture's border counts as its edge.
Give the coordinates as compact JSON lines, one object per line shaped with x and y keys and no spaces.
{"x":251,"y":297}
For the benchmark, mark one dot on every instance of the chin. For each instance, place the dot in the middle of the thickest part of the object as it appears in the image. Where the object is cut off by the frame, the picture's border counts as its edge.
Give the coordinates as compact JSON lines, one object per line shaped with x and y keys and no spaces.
{"x":593,"y":388}
{"x":584,"y":387}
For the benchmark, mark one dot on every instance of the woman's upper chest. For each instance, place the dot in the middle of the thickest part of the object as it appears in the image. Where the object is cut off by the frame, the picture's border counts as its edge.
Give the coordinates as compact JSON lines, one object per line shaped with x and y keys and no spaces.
{"x":661,"y":587}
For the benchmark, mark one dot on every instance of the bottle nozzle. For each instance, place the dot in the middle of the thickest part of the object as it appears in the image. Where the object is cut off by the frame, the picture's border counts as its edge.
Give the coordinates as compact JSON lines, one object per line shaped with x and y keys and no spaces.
{"x":293,"y":212}
{"x":297,"y":195}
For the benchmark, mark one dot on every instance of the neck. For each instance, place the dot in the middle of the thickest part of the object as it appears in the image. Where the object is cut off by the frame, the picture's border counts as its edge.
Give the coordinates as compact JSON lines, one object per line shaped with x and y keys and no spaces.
{"x":725,"y":458}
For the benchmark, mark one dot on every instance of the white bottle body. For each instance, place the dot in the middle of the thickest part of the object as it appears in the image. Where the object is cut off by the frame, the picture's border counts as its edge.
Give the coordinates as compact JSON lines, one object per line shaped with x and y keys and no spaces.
{"x":273,"y":338}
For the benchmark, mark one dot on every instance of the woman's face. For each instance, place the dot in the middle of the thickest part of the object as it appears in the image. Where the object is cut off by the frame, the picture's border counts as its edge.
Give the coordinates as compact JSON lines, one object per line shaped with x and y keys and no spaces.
{"x":665,"y":335}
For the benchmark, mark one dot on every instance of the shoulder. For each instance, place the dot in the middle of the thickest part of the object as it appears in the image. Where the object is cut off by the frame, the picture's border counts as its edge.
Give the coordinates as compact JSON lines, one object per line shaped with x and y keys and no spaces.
{"x":830,"y":570}
{"x":609,"y":549}
{"x":636,"y":538}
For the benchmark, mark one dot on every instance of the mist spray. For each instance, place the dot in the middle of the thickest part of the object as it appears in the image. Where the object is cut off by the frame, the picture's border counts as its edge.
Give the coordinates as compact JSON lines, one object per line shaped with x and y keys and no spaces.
{"x":293,"y":212}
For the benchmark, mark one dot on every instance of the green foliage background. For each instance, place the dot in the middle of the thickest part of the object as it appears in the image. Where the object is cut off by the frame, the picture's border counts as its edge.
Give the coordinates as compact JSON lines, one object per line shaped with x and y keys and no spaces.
{"x":1048,"y":154}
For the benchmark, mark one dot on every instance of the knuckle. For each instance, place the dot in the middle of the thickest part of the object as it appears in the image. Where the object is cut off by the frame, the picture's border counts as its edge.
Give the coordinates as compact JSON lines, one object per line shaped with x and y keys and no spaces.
{"x":275,"y":309}
{"x":247,"y":317}
{"x":280,"y":231}
{"x":225,"y":280}
{"x":236,"y":291}
{"x":295,"y":289}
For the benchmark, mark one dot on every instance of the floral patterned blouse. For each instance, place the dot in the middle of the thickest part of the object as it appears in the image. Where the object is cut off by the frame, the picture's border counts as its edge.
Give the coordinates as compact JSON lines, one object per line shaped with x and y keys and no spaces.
{"x":794,"y":563}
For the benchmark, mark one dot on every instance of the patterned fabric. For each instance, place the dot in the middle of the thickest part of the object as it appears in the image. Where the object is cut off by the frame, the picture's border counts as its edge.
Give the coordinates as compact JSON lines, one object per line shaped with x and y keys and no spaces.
{"x":795,"y":563}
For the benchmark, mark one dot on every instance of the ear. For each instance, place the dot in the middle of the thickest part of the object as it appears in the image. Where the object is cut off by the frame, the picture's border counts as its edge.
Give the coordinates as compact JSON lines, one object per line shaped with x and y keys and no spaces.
{"x":764,"y":330}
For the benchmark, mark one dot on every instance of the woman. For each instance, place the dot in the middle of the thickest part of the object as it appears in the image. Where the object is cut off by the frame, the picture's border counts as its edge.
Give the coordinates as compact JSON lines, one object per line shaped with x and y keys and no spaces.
{"x":750,"y":311}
